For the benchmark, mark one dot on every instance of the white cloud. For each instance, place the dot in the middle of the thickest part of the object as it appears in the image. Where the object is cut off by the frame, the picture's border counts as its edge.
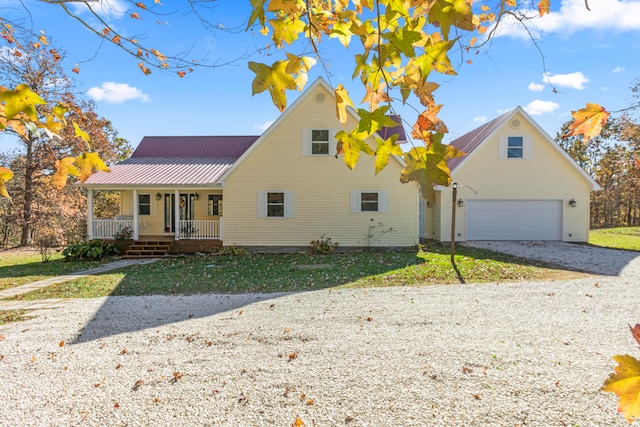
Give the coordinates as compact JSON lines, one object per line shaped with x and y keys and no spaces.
{"x":614,"y":15}
{"x":116,"y":93}
{"x":539,"y":107}
{"x":618,"y":70}
{"x":535,"y":87}
{"x":480,"y":120}
{"x":263,"y":127}
{"x":115,"y":9}
{"x":573,"y":80}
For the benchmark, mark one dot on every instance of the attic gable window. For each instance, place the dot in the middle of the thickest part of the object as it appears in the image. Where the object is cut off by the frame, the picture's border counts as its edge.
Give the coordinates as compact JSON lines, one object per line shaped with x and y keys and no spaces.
{"x":515,"y":147}
{"x":318,"y":142}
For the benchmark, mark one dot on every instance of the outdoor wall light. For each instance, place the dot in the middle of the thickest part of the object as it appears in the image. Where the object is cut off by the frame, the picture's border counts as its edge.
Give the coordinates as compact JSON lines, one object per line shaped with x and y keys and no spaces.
{"x":197,"y":196}
{"x":572,"y":203}
{"x":158,"y":196}
{"x":460,"y":203}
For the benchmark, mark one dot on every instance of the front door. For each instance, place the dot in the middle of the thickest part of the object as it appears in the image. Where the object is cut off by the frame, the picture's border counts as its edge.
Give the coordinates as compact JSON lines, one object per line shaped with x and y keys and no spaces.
{"x":187,"y":210}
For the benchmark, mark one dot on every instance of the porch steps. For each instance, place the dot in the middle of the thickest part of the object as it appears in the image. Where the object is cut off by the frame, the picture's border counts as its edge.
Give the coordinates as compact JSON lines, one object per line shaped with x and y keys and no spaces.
{"x":147,"y":249}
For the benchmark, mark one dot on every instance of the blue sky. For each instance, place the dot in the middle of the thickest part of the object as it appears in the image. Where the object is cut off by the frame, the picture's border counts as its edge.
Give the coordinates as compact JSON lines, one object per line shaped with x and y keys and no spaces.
{"x":590,"y":56}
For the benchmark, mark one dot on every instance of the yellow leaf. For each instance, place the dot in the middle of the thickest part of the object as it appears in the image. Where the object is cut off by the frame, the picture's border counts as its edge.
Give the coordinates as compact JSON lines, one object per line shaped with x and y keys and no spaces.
{"x":64,"y":168}
{"x":350,"y":145}
{"x":588,"y":121}
{"x":87,"y":163}
{"x":298,"y":422}
{"x":82,"y":134}
{"x":625,"y":383}
{"x":384,"y":150}
{"x":275,"y":79}
{"x":5,"y":175}
{"x":22,"y":99}
{"x":342,"y":102}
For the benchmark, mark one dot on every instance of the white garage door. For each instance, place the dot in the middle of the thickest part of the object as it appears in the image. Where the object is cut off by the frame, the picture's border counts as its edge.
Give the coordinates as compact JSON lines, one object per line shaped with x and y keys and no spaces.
{"x":514,"y":220}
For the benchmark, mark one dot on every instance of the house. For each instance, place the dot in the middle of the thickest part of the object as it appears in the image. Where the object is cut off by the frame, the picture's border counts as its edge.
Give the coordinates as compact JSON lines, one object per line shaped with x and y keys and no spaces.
{"x":283,"y":188}
{"x":514,"y":183}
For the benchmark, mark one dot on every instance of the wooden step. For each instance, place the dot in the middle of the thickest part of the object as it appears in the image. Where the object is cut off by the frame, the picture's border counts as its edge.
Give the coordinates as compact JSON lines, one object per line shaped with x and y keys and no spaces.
{"x":148,"y":249}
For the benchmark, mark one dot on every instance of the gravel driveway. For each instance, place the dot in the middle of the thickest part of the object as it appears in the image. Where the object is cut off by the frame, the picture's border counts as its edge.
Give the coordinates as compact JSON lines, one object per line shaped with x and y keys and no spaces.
{"x":519,"y":354}
{"x":590,"y":259}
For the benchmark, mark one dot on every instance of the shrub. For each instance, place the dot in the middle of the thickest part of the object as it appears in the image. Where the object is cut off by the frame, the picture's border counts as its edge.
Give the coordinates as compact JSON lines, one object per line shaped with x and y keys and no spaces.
{"x":324,"y":245}
{"x":46,"y":243}
{"x":233,"y":250}
{"x":93,"y":250}
{"x":124,"y":234}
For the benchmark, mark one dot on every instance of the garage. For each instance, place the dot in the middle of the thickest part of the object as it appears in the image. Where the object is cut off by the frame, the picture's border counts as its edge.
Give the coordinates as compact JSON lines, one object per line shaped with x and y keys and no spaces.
{"x":514,"y":220}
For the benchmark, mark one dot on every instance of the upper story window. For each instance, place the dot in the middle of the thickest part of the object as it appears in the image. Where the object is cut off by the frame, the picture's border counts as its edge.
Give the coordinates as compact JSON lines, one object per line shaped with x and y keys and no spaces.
{"x":320,"y":141}
{"x":515,"y":147}
{"x":214,"y":205}
{"x":144,"y":204}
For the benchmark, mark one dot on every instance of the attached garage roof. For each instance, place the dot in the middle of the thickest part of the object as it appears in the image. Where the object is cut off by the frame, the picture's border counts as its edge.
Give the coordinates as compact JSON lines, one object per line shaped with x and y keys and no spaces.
{"x":176,"y":160}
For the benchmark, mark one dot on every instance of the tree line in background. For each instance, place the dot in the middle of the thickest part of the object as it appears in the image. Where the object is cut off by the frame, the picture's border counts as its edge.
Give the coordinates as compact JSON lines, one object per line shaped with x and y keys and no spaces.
{"x":613,"y":160}
{"x":38,"y":209}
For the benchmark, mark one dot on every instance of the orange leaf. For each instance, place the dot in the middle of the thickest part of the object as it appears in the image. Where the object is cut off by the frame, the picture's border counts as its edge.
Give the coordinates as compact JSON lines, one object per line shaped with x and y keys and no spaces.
{"x":298,"y":422}
{"x":543,"y":7}
{"x":625,"y":383}
{"x":61,"y":344}
{"x":106,"y":31}
{"x":135,"y":15}
{"x":141,"y":5}
{"x":76,"y":69}
{"x":64,"y":168}
{"x":181,"y":74}
{"x":588,"y":121}
{"x":116,"y":39}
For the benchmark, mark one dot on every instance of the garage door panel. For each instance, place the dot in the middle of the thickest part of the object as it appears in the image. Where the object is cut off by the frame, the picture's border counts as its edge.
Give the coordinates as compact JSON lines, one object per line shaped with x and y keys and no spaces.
{"x":514,"y":220}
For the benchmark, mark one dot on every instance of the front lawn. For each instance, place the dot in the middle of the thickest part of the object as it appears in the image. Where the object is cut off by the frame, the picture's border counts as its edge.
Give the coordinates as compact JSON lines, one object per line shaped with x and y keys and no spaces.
{"x":267,"y":273}
{"x":617,"y":238}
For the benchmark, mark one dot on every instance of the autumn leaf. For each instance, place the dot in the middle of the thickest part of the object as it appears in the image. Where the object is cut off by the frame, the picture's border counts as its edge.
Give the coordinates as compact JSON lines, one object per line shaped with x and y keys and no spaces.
{"x":20,"y":100}
{"x":257,"y":13}
{"x":181,"y":74}
{"x":350,"y":145}
{"x":5,"y":176}
{"x":385,"y":149}
{"x":87,"y":163}
{"x":342,"y":102}
{"x":298,"y":422}
{"x":635,"y":331}
{"x":273,"y":78}
{"x":452,"y":12}
{"x":588,"y":121}
{"x":134,"y":15}
{"x":82,"y":134}
{"x":64,"y":168}
{"x":625,"y":383}
{"x":543,"y":7}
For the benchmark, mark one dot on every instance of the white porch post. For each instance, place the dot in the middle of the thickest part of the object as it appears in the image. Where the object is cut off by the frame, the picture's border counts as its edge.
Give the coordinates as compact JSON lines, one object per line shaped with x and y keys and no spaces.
{"x":135,"y":215}
{"x":90,"y":214}
{"x":176,"y":209}
{"x":220,"y":229}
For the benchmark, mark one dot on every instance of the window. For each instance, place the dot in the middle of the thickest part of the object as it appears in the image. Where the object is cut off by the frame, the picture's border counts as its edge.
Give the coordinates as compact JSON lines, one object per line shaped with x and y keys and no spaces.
{"x":214,"y":205}
{"x":275,"y":204}
{"x":515,"y":147}
{"x":320,"y":142}
{"x":144,"y":204}
{"x":369,"y":201}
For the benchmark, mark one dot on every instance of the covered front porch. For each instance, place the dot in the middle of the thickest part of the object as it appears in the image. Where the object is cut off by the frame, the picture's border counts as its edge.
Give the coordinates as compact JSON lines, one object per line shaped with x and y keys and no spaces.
{"x":160,"y":214}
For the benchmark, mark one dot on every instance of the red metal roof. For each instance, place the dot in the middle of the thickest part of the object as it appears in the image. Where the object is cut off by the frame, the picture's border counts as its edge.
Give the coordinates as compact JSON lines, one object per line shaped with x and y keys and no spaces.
{"x":472,"y":140}
{"x":386,"y":132}
{"x":176,"y":160}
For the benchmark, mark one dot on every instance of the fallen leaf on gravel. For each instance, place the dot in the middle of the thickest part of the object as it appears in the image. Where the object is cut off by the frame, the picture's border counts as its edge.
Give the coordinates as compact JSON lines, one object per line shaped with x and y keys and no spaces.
{"x":116,"y":405}
{"x":597,"y":285}
{"x":1,"y":337}
{"x":176,"y":376}
{"x":287,"y":330}
{"x":635,"y":331}
{"x":298,"y":422}
{"x":61,"y":344}
{"x":96,"y":385}
{"x":137,"y":385}
{"x":33,"y":359}
{"x":476,"y":396}
{"x":293,"y":355}
{"x":124,"y":351}
{"x":369,"y":319}
{"x":118,"y":366}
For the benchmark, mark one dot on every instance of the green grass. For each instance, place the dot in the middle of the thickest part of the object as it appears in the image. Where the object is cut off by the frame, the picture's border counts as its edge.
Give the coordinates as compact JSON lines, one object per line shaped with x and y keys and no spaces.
{"x":18,"y":267}
{"x":9,"y":316}
{"x":617,"y":238}
{"x":268,"y":273}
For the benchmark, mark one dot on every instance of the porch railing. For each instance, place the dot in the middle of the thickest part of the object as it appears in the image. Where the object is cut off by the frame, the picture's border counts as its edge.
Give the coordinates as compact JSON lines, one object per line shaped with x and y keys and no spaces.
{"x":199,"y":229}
{"x":107,"y":228}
